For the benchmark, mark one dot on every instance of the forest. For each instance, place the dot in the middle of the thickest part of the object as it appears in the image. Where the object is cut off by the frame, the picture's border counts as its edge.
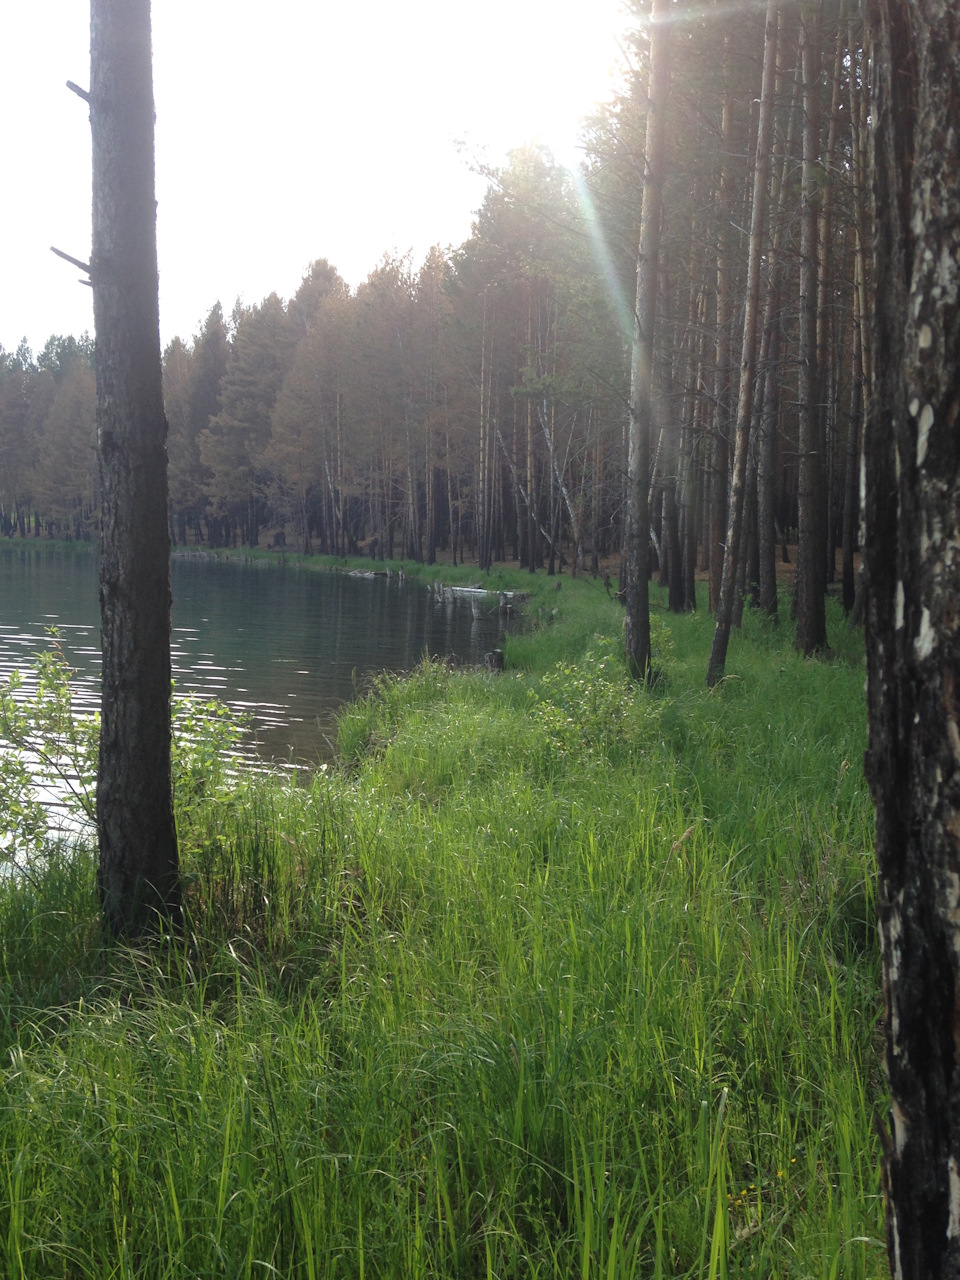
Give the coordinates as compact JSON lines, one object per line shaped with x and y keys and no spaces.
{"x":476,"y":407}
{"x":580,"y":966}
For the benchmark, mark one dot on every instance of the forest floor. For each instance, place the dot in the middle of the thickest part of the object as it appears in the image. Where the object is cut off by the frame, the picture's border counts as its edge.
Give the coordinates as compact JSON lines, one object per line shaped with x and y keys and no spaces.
{"x":550,"y":976}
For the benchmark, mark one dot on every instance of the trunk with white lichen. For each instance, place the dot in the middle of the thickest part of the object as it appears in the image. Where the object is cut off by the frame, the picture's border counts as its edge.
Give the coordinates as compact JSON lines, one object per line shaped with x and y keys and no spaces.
{"x":912,"y":453}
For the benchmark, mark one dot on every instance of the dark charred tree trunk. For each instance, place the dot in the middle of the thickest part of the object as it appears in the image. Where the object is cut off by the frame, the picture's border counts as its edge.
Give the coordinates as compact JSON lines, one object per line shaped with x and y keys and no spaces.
{"x":912,"y":456}
{"x":851,"y":479}
{"x":138,"y":876}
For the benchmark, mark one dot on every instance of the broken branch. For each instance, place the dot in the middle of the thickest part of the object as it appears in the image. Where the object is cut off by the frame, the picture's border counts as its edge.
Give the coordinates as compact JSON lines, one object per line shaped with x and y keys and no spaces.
{"x":84,"y":266}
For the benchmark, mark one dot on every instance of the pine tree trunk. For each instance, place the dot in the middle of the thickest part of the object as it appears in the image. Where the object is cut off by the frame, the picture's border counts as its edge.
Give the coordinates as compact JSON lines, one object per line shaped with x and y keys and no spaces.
{"x":138,"y":874}
{"x":830,"y":263}
{"x":748,"y":359}
{"x":862,"y":307}
{"x":719,"y":478}
{"x":913,"y":640}
{"x":637,"y":528}
{"x":851,"y":485}
{"x":810,"y":597}
{"x":766,"y":471}
{"x":484,"y":469}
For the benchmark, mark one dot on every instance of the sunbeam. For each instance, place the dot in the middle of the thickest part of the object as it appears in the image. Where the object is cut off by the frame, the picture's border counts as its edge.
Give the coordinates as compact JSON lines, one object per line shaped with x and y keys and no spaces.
{"x":603,"y":257}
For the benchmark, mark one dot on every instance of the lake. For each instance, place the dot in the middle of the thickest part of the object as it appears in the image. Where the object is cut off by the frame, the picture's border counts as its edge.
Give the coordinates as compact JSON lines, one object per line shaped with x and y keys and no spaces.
{"x":285,"y":645}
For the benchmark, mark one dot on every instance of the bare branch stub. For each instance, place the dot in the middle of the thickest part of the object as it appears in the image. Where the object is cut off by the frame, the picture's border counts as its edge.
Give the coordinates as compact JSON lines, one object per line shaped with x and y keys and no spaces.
{"x":84,"y":266}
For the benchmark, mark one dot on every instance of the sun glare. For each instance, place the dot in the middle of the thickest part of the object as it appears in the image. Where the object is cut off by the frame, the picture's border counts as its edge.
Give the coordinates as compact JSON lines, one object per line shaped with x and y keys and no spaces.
{"x":292,"y":133}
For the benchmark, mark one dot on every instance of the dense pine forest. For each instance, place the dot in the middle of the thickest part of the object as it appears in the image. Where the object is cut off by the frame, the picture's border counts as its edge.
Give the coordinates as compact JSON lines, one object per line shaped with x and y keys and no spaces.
{"x":477,"y":406}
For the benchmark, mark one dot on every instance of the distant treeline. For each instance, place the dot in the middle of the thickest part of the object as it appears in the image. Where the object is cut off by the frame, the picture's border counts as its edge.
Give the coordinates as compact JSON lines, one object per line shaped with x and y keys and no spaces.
{"x":476,"y":406}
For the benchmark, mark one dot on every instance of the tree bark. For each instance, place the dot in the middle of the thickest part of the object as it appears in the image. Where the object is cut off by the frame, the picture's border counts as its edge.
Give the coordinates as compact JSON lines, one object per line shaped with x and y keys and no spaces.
{"x":830,"y":261}
{"x":748,"y":359}
{"x":766,"y":470}
{"x":912,"y":458}
{"x":769,"y":417}
{"x":851,"y":484}
{"x":719,"y":478}
{"x":810,"y":598}
{"x":138,"y":873}
{"x":862,"y":307}
{"x":484,"y":513}
{"x":637,"y":528}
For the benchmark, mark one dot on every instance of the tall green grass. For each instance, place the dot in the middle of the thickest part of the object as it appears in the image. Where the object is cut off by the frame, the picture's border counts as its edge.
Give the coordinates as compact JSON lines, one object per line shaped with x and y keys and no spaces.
{"x":554,"y":977}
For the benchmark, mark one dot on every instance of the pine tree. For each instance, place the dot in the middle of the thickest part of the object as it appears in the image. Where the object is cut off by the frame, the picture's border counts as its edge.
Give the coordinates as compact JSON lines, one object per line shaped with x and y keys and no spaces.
{"x":139,"y":872}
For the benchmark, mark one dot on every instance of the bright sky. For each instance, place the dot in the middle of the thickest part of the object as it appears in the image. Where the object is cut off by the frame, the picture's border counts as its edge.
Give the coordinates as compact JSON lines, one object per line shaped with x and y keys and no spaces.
{"x":287,"y":130}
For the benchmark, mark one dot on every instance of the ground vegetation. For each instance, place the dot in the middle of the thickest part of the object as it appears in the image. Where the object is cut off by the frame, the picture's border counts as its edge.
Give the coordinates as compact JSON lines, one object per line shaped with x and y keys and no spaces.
{"x":552,"y":974}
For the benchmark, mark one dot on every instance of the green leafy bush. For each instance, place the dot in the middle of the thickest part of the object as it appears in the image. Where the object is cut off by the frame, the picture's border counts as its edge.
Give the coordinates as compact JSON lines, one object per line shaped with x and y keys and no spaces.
{"x":592,"y":706}
{"x":49,"y":750}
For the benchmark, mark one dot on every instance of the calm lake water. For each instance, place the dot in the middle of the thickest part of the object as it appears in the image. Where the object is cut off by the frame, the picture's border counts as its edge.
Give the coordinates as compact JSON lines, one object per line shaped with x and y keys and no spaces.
{"x":287,"y":646}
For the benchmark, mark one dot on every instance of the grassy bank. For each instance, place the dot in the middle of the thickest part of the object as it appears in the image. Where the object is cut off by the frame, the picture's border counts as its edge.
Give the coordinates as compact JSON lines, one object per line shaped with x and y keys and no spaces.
{"x":30,"y":546}
{"x":552,"y":978}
